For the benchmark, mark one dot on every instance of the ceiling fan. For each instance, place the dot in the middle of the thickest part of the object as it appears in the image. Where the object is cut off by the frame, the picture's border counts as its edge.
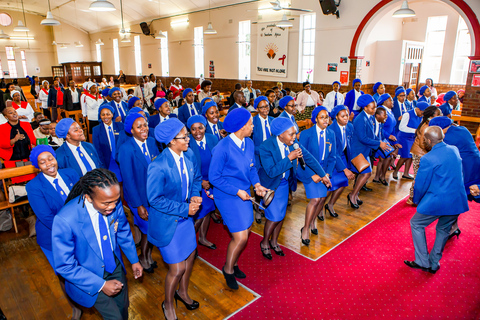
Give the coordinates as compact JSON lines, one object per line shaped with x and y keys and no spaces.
{"x":276,"y":6}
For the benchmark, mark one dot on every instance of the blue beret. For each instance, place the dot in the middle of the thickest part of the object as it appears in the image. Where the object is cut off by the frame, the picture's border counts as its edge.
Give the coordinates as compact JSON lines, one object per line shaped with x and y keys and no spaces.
{"x":61,"y":130}
{"x":375,"y":86}
{"x":449,"y":95}
{"x":399,"y":87}
{"x":280,"y":125}
{"x":207,"y":106}
{"x":168,"y":129}
{"x":399,"y":91}
{"x":355,"y":81}
{"x":185,"y":92}
{"x":284,"y":101}
{"x":41,"y":148}
{"x":105,"y":92}
{"x":130,"y":119}
{"x":105,"y":106}
{"x":111,"y":91}
{"x":195,"y":119}
{"x":422,"y":105}
{"x":384,"y":97}
{"x":442,"y":122}
{"x":236,"y":119}
{"x":131,"y":102}
{"x":422,"y":90}
{"x":315,"y":113}
{"x":159,"y":102}
{"x":364,"y":100}
{"x":408,"y":91}
{"x":336,"y":110}
{"x":258,"y":100}
{"x":339,"y":84}
{"x":202,"y":103}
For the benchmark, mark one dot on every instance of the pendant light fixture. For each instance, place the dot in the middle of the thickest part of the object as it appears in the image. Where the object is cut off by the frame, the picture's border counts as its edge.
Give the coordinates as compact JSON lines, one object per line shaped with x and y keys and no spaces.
{"x":3,"y":35}
{"x":160,"y":35}
{"x":78,"y":44}
{"x":209,"y":29}
{"x":125,"y":39}
{"x":404,"y":11}
{"x":99,"y":42}
{"x":284,"y":23}
{"x":21,"y":27}
{"x":102,"y":5}
{"x":49,"y":20}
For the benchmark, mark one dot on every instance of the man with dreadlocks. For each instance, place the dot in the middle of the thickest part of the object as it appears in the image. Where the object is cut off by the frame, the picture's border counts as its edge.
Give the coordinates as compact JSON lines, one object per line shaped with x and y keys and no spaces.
{"x":87,"y":236}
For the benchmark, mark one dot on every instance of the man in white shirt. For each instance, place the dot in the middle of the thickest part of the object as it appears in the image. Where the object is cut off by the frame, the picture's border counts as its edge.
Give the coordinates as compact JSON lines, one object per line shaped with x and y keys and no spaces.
{"x":334,"y":98}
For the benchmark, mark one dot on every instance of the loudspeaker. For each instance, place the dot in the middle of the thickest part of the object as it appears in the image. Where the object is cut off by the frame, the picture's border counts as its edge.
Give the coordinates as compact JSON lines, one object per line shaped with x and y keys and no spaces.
{"x":145,"y":28}
{"x":328,"y":6}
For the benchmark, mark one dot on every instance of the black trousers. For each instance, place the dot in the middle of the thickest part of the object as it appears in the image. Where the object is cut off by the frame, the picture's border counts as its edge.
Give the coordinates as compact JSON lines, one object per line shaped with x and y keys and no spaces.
{"x":116,"y":307}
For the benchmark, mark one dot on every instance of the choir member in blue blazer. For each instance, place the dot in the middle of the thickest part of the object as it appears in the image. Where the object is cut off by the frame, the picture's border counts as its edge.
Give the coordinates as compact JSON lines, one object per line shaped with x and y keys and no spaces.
{"x":278,"y":172}
{"x":134,"y":157}
{"x":214,"y":125}
{"x":343,"y":130}
{"x":439,"y":178}
{"x":364,"y":142}
{"x":174,"y":183}
{"x":232,"y":172}
{"x":75,"y":153}
{"x":120,"y":107}
{"x":378,"y":90}
{"x":411,"y":101}
{"x":400,"y":106}
{"x":406,"y":136}
{"x":451,"y":101}
{"x":202,"y":145}
{"x":87,"y":236}
{"x":47,"y":193}
{"x":320,"y":142}
{"x":287,"y":104}
{"x":106,"y":137}
{"x":189,"y":108}
{"x":352,"y":97}
{"x":425,"y":95}
{"x":164,"y":113}
{"x":134,"y":102}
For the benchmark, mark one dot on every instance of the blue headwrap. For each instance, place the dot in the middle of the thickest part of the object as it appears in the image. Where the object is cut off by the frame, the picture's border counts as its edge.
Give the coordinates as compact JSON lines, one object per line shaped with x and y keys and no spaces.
{"x":111,"y":91}
{"x":422,"y":105}
{"x":384,"y":97}
{"x":280,"y":125}
{"x":236,"y":119}
{"x":61,"y":130}
{"x":196,"y":119}
{"x":399,"y":88}
{"x":339,"y":84}
{"x":399,"y":91}
{"x":449,"y":95}
{"x":41,"y":148}
{"x":422,"y":90}
{"x":168,"y":129}
{"x":105,"y":106}
{"x":185,"y":92}
{"x":258,"y":100}
{"x":442,"y":122}
{"x":408,"y":91}
{"x":364,"y":100}
{"x":284,"y":101}
{"x":130,"y":119}
{"x":131,"y":102}
{"x":202,"y":103}
{"x":105,"y":92}
{"x":355,"y":81}
{"x":159,"y":102}
{"x":135,"y":110}
{"x":207,"y":106}
{"x":336,"y":110}
{"x":375,"y":86}
{"x":315,"y":113}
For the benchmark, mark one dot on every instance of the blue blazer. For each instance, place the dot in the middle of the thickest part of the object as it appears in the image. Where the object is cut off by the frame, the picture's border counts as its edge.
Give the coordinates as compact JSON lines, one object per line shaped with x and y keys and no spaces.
{"x":257,"y":136}
{"x":66,"y":159}
{"x":389,"y":125}
{"x":184,"y":112}
{"x":439,"y":183}
{"x":364,"y":140}
{"x":339,"y":164}
{"x":350,"y":100}
{"x":273,"y":166}
{"x":100,"y":141}
{"x":46,"y":203}
{"x":124,"y":106}
{"x":133,"y":167}
{"x":154,"y":120}
{"x":212,"y":142}
{"x":77,"y":254}
{"x":233,"y":107}
{"x":446,"y":109}
{"x":164,"y":192}
{"x":397,"y":113}
{"x":309,"y":139}
{"x":219,"y":127}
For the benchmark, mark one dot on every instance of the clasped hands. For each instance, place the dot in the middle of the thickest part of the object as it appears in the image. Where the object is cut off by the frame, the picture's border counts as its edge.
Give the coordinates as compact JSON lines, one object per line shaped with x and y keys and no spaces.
{"x":259,"y":190}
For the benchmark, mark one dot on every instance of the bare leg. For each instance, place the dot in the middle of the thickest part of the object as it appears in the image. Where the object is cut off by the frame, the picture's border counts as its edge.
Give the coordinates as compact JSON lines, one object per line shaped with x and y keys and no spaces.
{"x":149,"y":253}
{"x":361,"y":180}
{"x":174,"y":274}
{"x":379,"y":170}
{"x":318,"y":212}
{"x":276,"y":233}
{"x":143,"y":252}
{"x":267,"y":233}
{"x":309,"y":216}
{"x":235,"y":248}
{"x":399,"y":165}
{"x":202,"y":235}
{"x":408,"y":164}
{"x":185,"y":280}
{"x":335,"y":195}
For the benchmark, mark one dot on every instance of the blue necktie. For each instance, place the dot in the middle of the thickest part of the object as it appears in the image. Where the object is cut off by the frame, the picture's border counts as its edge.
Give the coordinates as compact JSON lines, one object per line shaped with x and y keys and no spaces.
{"x":243,"y":145}
{"x":201,"y":145}
{"x":60,"y":191}
{"x":321,"y":147}
{"x":84,"y":160}
{"x":192,"y":112}
{"x":293,"y":120}
{"x":215,"y":132}
{"x":267,"y":132}
{"x":344,"y":138}
{"x":145,"y":153}
{"x":108,"y":257}
{"x":112,"y":141}
{"x":120,"y":110}
{"x":184,"y":180}
{"x":335,"y":103}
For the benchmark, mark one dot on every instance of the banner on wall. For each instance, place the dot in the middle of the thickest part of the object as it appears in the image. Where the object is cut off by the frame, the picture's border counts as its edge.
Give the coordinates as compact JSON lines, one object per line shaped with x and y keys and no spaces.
{"x":272,"y":50}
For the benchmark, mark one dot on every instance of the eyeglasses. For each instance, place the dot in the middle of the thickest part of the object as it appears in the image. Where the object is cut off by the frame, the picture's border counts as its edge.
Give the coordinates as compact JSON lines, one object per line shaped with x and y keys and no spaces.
{"x":186,"y":137}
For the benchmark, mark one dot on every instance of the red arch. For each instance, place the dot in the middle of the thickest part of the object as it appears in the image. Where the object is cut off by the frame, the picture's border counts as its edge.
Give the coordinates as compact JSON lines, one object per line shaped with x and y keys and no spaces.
{"x":472,"y":17}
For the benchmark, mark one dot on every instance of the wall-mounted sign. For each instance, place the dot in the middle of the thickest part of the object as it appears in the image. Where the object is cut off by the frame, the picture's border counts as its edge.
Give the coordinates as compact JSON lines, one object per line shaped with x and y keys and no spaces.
{"x":476,"y":80}
{"x":344,"y":78}
{"x":272,"y":50}
{"x":474,"y":66}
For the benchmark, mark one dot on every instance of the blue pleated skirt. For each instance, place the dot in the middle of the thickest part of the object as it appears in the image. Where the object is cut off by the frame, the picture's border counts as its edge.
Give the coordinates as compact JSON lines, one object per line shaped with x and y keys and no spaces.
{"x":237,"y":214}
{"x":278,"y":207}
{"x":139,"y":222}
{"x":406,"y":140}
{"x":315,"y":190}
{"x":339,"y":179}
{"x":207,"y":206}
{"x":113,"y":166}
{"x":49,"y":255}
{"x":183,"y":243}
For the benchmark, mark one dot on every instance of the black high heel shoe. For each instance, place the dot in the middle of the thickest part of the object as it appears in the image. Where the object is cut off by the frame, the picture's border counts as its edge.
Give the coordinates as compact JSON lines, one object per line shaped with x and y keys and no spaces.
{"x":304,"y":241}
{"x":359,"y":202}
{"x":279,"y":252}
{"x":384,"y":182}
{"x":321,"y":218}
{"x":354,"y":206}
{"x":314,"y":231}
{"x":192,"y":306}
{"x":332,"y":213}
{"x":266,"y":255}
{"x":164,"y":312}
{"x":455,"y":233}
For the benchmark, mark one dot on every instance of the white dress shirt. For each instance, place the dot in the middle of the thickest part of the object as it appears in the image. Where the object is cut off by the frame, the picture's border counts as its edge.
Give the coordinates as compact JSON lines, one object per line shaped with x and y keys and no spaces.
{"x":263,"y":122}
{"x":204,"y":140}
{"x":403,"y":124}
{"x":74,"y":95}
{"x":177,"y":157}
{"x":163,"y":119}
{"x":324,"y":139}
{"x":357,"y":95}
{"x":108,"y":135}
{"x":191,"y":108}
{"x":237,"y":141}
{"x":329,"y":101}
{"x":94,"y":218}
{"x":92,"y":108}
{"x":120,"y":110}
{"x":140,"y":145}
{"x":281,"y":146}
{"x":77,"y":157}
{"x":61,"y":183}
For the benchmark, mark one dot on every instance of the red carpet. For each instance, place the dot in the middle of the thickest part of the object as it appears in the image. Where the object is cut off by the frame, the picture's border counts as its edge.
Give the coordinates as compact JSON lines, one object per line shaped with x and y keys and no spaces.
{"x":364,"y":277}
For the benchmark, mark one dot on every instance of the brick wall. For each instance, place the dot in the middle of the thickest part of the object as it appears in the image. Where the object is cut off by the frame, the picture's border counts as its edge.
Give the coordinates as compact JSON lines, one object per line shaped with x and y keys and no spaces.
{"x":471,"y":103}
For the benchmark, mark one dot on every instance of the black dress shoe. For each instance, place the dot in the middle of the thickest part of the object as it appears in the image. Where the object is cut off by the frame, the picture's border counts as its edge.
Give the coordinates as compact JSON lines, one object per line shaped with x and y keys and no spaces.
{"x":238,"y":273}
{"x":314,"y":231}
{"x":321,"y":218}
{"x":304,"y":241}
{"x":266,"y":255}
{"x":414,"y":265}
{"x":230,"y":279}
{"x":353,"y":205}
{"x":365,"y":188}
{"x":213,"y":246}
{"x":454,"y":233}
{"x":277,"y":250}
{"x":190,"y":306}
{"x":331,"y":212}
{"x":434,"y":271}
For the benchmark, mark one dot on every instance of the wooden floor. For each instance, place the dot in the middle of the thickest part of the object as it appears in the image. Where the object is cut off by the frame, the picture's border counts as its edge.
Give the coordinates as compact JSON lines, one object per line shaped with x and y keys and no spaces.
{"x":30,"y":290}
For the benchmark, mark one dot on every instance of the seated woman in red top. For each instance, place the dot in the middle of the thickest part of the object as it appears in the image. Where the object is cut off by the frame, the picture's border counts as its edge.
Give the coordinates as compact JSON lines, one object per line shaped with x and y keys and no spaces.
{"x":16,"y":137}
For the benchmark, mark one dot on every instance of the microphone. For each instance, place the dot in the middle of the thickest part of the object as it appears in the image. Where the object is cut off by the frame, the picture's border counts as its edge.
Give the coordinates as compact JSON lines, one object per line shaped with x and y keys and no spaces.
{"x":300,"y":160}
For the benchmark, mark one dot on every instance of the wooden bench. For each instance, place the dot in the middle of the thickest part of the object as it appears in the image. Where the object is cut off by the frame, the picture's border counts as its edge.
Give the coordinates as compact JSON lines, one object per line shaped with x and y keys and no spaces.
{"x":7,"y":174}
{"x":305,"y":123}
